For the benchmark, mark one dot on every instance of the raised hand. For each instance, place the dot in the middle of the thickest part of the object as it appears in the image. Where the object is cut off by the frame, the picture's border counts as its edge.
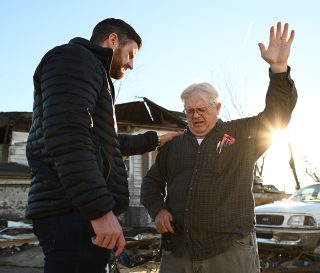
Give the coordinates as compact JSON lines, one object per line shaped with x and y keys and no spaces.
{"x":278,"y":51}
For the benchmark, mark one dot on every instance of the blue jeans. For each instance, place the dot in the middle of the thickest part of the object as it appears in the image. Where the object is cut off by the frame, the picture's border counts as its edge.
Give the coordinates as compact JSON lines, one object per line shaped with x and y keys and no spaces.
{"x":66,"y":243}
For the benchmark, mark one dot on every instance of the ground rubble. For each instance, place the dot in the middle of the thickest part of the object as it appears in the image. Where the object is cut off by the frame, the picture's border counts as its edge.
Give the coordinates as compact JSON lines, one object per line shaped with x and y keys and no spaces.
{"x":142,"y":253}
{"x":303,"y":262}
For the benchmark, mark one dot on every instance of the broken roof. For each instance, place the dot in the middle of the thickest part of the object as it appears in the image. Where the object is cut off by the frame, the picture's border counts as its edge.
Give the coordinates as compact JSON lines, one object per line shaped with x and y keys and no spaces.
{"x":144,"y":112}
{"x":147,"y":112}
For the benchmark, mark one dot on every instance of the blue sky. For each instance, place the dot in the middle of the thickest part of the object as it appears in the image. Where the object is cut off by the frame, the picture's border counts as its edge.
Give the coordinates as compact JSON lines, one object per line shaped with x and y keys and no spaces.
{"x":183,"y":42}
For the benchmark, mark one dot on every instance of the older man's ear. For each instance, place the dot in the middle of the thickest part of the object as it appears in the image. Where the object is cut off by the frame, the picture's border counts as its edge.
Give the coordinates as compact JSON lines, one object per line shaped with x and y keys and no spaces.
{"x":218,"y":107}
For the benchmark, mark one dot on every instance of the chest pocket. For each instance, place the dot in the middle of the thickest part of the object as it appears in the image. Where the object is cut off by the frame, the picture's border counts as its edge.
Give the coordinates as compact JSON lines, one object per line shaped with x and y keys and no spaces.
{"x":226,"y":159}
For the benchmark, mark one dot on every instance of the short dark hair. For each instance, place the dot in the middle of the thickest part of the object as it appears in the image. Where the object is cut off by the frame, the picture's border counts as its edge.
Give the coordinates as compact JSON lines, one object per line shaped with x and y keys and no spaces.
{"x":124,"y":31}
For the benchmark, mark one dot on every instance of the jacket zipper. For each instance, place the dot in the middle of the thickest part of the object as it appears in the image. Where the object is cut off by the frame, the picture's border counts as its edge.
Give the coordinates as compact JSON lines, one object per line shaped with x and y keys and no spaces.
{"x":91,"y":125}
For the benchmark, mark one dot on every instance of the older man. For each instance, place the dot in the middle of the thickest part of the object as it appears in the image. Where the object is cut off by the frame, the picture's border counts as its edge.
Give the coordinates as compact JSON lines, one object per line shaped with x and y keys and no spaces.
{"x":199,"y":189}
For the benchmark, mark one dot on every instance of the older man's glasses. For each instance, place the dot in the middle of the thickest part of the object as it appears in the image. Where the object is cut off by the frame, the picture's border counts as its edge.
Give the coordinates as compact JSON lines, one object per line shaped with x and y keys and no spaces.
{"x":200,"y":110}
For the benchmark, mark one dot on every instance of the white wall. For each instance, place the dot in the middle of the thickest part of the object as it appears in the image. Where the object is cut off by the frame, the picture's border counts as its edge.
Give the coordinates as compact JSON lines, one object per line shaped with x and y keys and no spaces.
{"x":17,"y":148}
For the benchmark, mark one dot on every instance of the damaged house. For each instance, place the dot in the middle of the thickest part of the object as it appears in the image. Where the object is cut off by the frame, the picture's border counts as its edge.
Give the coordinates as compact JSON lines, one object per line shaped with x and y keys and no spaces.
{"x":132,"y":118}
{"x":14,"y":172}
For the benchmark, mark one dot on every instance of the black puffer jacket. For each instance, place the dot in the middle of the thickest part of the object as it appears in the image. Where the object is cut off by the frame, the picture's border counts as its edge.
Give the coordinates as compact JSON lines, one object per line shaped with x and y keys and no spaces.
{"x":73,"y":148}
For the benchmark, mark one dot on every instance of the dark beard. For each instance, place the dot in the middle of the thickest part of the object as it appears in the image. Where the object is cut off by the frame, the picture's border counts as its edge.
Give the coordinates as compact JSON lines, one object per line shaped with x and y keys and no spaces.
{"x":116,"y":66}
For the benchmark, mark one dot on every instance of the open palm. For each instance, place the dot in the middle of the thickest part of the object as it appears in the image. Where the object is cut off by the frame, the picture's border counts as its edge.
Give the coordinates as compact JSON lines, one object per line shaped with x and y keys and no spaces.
{"x":278,"y":51}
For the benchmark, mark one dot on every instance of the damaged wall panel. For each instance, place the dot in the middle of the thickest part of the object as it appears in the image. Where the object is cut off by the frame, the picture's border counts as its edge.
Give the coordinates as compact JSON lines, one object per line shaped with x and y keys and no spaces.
{"x":13,"y":198}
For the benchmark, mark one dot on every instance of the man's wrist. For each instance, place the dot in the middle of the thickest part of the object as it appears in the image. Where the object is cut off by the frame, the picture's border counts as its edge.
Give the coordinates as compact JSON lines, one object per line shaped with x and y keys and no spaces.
{"x":278,"y":68}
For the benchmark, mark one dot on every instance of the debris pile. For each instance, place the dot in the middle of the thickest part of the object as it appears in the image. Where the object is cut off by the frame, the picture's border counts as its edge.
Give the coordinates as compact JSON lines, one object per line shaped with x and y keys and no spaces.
{"x":15,"y":236}
{"x":286,"y":263}
{"x":142,"y":251}
{"x":265,"y":194}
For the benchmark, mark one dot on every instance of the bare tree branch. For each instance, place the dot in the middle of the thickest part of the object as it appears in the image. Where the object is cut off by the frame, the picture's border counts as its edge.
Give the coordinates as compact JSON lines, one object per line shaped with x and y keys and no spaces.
{"x":312,"y":171}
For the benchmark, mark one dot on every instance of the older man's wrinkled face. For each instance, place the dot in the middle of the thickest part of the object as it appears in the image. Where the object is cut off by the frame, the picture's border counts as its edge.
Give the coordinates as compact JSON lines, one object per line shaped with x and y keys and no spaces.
{"x":202,"y":115}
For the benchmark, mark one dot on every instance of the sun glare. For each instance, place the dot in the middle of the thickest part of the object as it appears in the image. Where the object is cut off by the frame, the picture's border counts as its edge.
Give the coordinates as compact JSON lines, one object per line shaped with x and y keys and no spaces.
{"x":279,"y":150}
{"x":277,"y":169}
{"x":280,"y":138}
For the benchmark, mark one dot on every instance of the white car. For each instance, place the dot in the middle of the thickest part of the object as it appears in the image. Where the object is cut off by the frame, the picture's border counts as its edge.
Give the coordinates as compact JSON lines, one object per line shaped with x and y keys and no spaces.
{"x":291,"y":225}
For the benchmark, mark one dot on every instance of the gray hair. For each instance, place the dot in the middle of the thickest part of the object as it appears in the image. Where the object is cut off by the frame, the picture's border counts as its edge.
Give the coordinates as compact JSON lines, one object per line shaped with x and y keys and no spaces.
{"x":204,"y":90}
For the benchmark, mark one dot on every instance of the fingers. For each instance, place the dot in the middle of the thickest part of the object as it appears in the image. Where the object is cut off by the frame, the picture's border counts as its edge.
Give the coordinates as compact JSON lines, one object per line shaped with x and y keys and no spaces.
{"x":100,"y":240}
{"x":169,"y":227}
{"x":164,"y":226}
{"x":163,"y":221}
{"x":278,"y":50}
{"x":108,"y":232}
{"x":262,"y":48}
{"x":107,"y":239}
{"x":120,"y":245}
{"x":168,"y":137}
{"x":285,"y":32}
{"x":272,"y":36}
{"x":282,"y":35}
{"x":278,"y":33}
{"x":110,"y":243}
{"x":291,"y":37}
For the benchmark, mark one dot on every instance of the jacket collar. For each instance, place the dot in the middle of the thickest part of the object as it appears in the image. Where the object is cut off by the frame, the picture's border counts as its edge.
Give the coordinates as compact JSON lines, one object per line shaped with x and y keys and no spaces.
{"x":102,"y":53}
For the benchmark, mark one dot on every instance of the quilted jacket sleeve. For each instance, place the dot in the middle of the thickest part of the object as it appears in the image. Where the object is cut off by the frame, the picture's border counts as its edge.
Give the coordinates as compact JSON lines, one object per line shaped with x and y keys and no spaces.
{"x":138,"y":144}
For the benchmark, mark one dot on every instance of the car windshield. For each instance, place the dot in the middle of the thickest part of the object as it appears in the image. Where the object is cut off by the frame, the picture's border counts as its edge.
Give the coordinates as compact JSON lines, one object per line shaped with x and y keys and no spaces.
{"x":307,"y":194}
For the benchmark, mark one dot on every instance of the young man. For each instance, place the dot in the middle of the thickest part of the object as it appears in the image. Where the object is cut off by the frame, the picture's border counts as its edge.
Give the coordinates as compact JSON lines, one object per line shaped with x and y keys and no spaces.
{"x":79,"y":181}
{"x":199,"y":189}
